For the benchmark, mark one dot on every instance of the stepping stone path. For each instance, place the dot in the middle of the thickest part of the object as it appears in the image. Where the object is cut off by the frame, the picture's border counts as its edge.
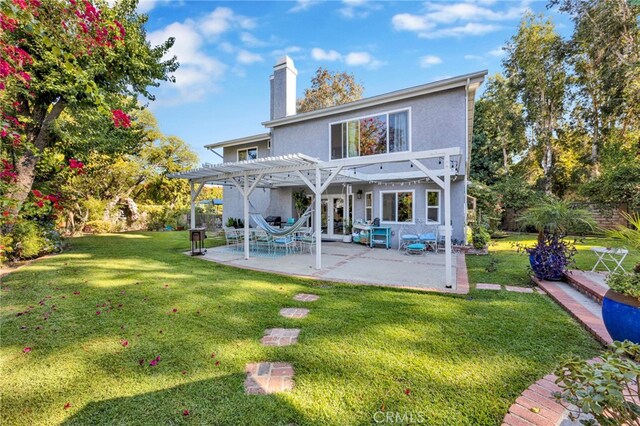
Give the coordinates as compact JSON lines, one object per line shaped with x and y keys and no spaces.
{"x":484,"y":286}
{"x":280,"y":336}
{"x":302,"y":297}
{"x":294,"y":312}
{"x":271,"y":377}
{"x":268,"y":377}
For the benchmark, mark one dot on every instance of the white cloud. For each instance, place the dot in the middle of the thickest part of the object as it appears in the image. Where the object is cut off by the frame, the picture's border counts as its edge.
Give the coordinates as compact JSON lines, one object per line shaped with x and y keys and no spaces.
{"x":197,"y":69}
{"x":430,"y":60}
{"x":250,"y":40}
{"x":362,"y":59}
{"x":459,"y":19}
{"x":302,"y":5}
{"x":474,"y":57}
{"x":247,"y":58}
{"x":465,"y":30}
{"x":145,"y":6}
{"x":286,"y":51}
{"x":223,"y":19}
{"x":358,"y":8}
{"x":325,"y":55}
{"x":358,"y":58}
{"x":409,"y":22}
{"x":497,"y":52}
{"x":354,"y":59}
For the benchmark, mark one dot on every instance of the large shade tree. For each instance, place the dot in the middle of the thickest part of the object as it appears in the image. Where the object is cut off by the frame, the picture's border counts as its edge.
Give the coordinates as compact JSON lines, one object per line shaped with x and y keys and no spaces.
{"x":329,"y":89}
{"x":535,"y":67}
{"x":68,"y":55}
{"x":604,"y":52}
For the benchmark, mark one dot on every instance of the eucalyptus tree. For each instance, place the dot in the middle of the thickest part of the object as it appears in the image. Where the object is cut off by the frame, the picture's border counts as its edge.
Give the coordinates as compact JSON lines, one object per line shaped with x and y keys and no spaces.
{"x":535,"y":67}
{"x":604,"y":52}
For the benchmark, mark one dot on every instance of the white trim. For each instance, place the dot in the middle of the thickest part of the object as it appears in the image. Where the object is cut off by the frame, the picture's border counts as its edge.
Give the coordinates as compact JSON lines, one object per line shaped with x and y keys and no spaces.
{"x":240,"y":141}
{"x":247,"y":149}
{"x":427,"y":206}
{"x":365,"y":205}
{"x":398,"y":95}
{"x":358,"y":118}
{"x":413,"y":206}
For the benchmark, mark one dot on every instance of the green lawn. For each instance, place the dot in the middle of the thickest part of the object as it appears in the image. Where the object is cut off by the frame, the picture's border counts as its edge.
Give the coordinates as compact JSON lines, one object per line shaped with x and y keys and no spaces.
{"x":512,"y":267}
{"x":464,"y":359}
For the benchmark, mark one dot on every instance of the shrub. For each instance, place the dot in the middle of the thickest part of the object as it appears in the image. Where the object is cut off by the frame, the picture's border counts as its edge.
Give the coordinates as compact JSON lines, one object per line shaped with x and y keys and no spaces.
{"x":479,"y":236}
{"x":551,"y":257}
{"x":625,"y":283}
{"x":33,"y":239}
{"x":99,"y":227}
{"x":607,"y":390}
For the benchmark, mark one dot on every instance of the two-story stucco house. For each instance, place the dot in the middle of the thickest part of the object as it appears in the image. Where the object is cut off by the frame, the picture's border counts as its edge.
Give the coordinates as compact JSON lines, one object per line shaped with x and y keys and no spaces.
{"x":400,"y":157}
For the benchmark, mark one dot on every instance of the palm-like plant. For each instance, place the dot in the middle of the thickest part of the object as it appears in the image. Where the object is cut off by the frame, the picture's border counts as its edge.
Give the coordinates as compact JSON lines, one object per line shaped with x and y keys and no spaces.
{"x":555,"y":218}
{"x":631,"y":236}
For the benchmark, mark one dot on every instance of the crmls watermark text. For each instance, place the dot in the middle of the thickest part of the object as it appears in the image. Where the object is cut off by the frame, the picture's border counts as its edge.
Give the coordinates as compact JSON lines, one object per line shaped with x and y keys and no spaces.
{"x":397,"y":417}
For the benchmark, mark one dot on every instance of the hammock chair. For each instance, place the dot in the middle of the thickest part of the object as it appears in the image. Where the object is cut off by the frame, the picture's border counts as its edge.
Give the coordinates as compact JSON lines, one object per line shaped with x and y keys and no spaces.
{"x":277,"y":232}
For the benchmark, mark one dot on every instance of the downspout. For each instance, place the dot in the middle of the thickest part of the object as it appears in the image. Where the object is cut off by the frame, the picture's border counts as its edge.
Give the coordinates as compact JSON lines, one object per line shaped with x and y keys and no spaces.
{"x":467,"y":155}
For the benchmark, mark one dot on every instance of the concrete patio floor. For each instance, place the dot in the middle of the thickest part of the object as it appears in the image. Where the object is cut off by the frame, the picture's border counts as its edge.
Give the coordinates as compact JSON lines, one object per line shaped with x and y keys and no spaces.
{"x":356,"y":264}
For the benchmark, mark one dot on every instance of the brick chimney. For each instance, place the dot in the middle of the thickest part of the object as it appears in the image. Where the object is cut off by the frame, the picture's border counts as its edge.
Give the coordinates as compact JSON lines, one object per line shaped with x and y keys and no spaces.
{"x":283,"y":88}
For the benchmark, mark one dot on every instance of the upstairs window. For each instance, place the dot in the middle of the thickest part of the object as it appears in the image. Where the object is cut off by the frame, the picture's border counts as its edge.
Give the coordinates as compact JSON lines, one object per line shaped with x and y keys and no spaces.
{"x":248,"y":154}
{"x":376,"y":134}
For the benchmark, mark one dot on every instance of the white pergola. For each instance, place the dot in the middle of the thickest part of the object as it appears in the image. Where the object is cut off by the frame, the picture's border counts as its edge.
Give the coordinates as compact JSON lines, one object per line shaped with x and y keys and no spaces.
{"x":302,"y":170}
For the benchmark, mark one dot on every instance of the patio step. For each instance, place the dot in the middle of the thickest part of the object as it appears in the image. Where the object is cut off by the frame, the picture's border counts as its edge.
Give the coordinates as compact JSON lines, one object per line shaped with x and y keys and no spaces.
{"x":590,"y":283}
{"x":581,"y":307}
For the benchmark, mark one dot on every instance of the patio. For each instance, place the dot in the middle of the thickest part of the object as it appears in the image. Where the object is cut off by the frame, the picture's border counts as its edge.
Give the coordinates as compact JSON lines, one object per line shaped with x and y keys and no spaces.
{"x":356,"y":264}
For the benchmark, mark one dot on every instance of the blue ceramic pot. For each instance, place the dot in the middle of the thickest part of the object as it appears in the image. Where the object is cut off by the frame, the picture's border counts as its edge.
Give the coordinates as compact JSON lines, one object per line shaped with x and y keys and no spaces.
{"x":621,"y":316}
{"x":536,"y":265}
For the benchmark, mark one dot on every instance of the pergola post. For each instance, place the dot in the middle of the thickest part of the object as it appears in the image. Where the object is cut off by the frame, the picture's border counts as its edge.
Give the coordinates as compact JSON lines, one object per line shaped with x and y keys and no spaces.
{"x":194,"y":194}
{"x":193,"y":204}
{"x":318,"y":218}
{"x":447,"y":221}
{"x":245,"y":193}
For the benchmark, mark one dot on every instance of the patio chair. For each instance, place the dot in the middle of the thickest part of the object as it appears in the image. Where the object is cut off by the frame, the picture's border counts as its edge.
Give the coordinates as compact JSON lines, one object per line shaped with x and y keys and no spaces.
{"x":261,"y":241}
{"x":233,"y":237}
{"x":288,"y":243}
{"x":307,"y":240}
{"x":407,"y":236}
{"x":429,"y":236}
{"x":441,"y":236}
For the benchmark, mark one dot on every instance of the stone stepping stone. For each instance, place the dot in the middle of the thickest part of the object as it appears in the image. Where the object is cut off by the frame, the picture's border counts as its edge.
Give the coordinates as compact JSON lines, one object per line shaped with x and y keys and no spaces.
{"x":294,"y":312}
{"x":268,"y":377}
{"x":304,"y":297}
{"x":280,"y":336}
{"x":519,"y":289}
{"x":482,"y":286}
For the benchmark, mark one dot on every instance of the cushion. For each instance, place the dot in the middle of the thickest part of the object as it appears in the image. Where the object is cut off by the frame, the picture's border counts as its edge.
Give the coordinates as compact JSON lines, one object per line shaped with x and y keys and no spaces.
{"x":417,"y":246}
{"x":409,"y":237}
{"x":428,"y":236}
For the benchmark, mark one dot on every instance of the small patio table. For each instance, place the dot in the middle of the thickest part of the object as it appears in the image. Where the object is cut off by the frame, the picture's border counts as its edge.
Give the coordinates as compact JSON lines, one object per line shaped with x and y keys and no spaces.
{"x":604,"y":255}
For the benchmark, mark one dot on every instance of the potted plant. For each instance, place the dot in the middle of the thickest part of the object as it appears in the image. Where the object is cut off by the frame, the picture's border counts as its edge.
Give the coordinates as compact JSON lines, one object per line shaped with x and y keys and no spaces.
{"x":552,"y":220}
{"x":621,"y":303}
{"x":347,"y":237}
{"x":606,"y":390}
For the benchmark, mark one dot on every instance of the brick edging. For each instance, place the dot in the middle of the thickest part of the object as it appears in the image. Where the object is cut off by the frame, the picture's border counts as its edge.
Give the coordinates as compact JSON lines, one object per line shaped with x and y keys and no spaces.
{"x":585,"y":285}
{"x":593,"y":324}
{"x":536,"y":405}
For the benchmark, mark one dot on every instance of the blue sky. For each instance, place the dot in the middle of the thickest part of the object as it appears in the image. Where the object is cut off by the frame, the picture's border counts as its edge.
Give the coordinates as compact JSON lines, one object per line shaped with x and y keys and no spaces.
{"x":227,"y":51}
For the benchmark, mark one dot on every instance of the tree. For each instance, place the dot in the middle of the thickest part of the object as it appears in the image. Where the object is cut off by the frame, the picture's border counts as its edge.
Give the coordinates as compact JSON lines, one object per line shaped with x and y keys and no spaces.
{"x":329,"y":89}
{"x":74,"y":55}
{"x":604,"y":54}
{"x":503,"y":120}
{"x":535,"y":67}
